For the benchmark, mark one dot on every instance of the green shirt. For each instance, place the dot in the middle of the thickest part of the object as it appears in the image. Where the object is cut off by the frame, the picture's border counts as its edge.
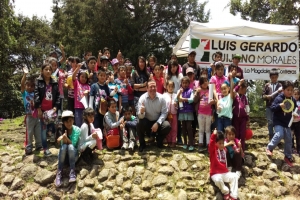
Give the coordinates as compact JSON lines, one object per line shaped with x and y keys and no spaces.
{"x":74,"y":137}
{"x":226,"y":105}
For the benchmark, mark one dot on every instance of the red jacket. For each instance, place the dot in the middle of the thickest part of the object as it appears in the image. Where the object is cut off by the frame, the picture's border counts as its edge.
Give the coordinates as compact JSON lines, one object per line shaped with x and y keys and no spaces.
{"x":216,"y":167}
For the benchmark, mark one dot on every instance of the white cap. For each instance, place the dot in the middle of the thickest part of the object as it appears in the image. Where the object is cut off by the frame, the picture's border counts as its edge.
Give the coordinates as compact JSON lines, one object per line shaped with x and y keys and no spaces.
{"x":67,"y":113}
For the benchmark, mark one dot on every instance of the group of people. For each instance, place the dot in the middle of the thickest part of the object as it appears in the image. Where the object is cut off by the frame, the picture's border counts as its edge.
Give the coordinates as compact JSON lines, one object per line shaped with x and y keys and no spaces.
{"x":108,"y":97}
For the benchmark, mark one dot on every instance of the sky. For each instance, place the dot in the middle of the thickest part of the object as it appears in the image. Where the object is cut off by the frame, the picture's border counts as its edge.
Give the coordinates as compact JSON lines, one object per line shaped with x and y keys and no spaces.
{"x":42,"y":8}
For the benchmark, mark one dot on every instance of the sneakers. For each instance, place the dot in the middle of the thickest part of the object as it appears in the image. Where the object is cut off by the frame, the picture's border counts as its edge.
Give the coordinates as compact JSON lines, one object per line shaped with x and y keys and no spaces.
{"x":58,"y":178}
{"x":201,"y":149}
{"x":289,"y":161}
{"x":184,"y":146}
{"x":72,"y":176}
{"x":38,"y":148}
{"x":191,"y":148}
{"x":28,"y":151}
{"x":47,"y":153}
{"x":131,"y":146}
{"x":125,"y":146}
{"x":52,"y":138}
{"x":269,"y":153}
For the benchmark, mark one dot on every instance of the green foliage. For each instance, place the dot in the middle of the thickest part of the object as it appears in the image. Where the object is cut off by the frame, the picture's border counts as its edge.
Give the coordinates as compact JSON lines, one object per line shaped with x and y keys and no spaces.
{"x":135,"y":27}
{"x":256,"y":103}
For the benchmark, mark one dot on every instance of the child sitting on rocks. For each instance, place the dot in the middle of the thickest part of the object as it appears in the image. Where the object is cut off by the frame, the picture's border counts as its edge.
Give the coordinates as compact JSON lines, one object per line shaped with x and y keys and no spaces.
{"x":218,"y":167}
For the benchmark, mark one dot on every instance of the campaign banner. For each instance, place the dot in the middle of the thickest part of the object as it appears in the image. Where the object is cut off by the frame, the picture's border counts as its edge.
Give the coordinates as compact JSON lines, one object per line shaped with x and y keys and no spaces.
{"x":259,"y":54}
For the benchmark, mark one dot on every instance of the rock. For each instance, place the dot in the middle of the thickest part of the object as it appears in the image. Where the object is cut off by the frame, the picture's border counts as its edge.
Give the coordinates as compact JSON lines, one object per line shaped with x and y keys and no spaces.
{"x":28,"y":171}
{"x":186,"y":175}
{"x":95,"y":171}
{"x":89,"y":182}
{"x":130,"y":172}
{"x":262,"y":165}
{"x":280,"y":191}
{"x":112,"y":173}
{"x":106,"y":195}
{"x":87,"y":193}
{"x":8,"y":169}
{"x":165,"y":196}
{"x":278,"y":162}
{"x":285,"y":167}
{"x":5,"y":159}
{"x":137,"y":180}
{"x":80,"y":183}
{"x":83,"y":173}
{"x":8,"y":179}
{"x":296,"y":177}
{"x":19,"y":196}
{"x":180,"y":185}
{"x":139,"y":170}
{"x":109,"y":165}
{"x":152,"y":158}
{"x":103,"y":176}
{"x":257,"y":171}
{"x":17,"y":183}
{"x":163,"y":161}
{"x":295,"y":169}
{"x":242,"y":181}
{"x":127,"y":186}
{"x":3,"y":190}
{"x":166,"y":170}
{"x":19,"y":165}
{"x":267,"y":174}
{"x":47,"y":198}
{"x":126,"y":196}
{"x":183,"y":165}
{"x":193,"y":195}
{"x":119,"y":179}
{"x":248,"y":161}
{"x":110,"y":184}
{"x":246,"y":171}
{"x":182,"y":195}
{"x":177,"y":157}
{"x":170,"y":186}
{"x":148,"y":175}
{"x":159,"y":180}
{"x":99,"y":188}
{"x":146,"y":185}
{"x":43,"y":164}
{"x":193,"y":158}
{"x":174,"y":164}
{"x":263,"y":190}
{"x":133,"y":163}
{"x":126,"y":158}
{"x":152,"y":167}
{"x":44,"y":177}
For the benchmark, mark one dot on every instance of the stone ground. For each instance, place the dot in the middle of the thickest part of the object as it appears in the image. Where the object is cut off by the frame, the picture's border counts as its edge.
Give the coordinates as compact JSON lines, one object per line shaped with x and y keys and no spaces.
{"x":155,"y":174}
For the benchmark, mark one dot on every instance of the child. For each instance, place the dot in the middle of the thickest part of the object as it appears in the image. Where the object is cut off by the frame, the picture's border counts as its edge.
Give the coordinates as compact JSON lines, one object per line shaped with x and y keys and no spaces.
{"x":124,"y":85}
{"x":233,"y":70}
{"x":185,"y":97}
{"x":224,"y":105}
{"x":151,"y":64}
{"x":218,"y":167}
{"x":106,"y":56}
{"x":236,"y":60}
{"x":46,"y":97}
{"x":92,"y":61}
{"x":296,"y":123}
{"x":217,"y":58}
{"x":81,"y":92}
{"x":270,"y":92}
{"x":112,"y":119}
{"x":115,"y":66}
{"x":191,"y":64}
{"x":158,"y":79}
{"x":170,"y":98}
{"x":218,"y":79}
{"x":69,"y":147}
{"x":281,"y":120}
{"x":129,"y":131}
{"x":234,"y":151}
{"x":88,"y":137}
{"x":69,"y":84}
{"x":204,"y":73}
{"x":240,"y":112}
{"x":140,"y":78}
{"x":98,"y":95}
{"x":204,"y":111}
{"x":129,"y":70}
{"x":33,"y":126}
{"x":173,"y":75}
{"x":105,"y":63}
{"x":115,"y":91}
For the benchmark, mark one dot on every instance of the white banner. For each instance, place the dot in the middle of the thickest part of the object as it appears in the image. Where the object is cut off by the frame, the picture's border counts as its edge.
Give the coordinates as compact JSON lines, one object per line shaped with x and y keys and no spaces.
{"x":259,"y":54}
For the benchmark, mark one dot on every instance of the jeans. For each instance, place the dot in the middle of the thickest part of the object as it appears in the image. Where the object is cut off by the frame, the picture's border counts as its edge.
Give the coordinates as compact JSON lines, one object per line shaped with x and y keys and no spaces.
{"x":282,"y":133}
{"x":67,"y":151}
{"x":78,"y":116}
{"x":269,"y":115}
{"x":44,"y":128}
{"x":223,"y":122}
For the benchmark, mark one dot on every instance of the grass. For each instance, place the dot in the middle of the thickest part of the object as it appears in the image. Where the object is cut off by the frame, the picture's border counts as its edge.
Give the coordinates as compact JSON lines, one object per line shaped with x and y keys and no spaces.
{"x":7,"y":123}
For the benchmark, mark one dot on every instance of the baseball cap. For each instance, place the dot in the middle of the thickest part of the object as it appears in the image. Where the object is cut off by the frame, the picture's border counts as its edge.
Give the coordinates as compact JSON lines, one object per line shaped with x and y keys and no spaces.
{"x":104,"y":58}
{"x":193,"y":52}
{"x":114,"y":61}
{"x":190,"y":70}
{"x":67,"y":113}
{"x":238,"y":56}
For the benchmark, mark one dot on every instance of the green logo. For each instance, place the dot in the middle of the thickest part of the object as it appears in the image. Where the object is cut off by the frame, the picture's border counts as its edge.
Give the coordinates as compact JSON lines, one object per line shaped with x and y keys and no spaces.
{"x":195,"y":43}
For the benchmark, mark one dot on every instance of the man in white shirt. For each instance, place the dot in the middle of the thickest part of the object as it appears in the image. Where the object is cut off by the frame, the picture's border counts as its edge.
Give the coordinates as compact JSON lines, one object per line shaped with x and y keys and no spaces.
{"x":152,"y":113}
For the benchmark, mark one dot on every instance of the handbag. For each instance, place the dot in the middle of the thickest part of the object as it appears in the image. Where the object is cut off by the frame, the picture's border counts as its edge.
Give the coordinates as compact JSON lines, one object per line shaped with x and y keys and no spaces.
{"x":49,"y":117}
{"x":113,"y":137}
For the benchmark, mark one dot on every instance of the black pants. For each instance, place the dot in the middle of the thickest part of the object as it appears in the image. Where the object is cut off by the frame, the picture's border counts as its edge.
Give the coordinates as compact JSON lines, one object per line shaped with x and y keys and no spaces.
{"x":71,"y":106}
{"x":144,"y":126}
{"x":296,"y":128}
{"x":235,"y":162}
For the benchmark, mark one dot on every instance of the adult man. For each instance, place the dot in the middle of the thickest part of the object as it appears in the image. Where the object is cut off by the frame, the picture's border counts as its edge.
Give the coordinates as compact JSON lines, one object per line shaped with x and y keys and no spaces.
{"x":152,"y":113}
{"x":191,"y":63}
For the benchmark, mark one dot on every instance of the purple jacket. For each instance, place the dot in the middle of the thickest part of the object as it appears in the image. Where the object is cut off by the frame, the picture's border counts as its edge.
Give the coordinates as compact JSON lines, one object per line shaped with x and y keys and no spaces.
{"x":239,"y":106}
{"x":187,"y":107}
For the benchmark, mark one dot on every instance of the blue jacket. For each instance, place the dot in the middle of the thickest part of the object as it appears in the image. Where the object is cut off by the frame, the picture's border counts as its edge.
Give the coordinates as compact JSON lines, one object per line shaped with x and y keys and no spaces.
{"x":279,"y":117}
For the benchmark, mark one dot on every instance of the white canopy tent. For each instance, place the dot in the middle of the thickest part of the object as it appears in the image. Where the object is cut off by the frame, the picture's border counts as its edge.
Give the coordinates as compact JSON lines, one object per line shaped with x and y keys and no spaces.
{"x":234,"y":27}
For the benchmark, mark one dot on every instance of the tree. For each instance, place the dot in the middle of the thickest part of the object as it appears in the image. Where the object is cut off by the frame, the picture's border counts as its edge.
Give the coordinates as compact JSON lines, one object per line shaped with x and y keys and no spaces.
{"x":22,"y":41}
{"x":136,"y":27}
